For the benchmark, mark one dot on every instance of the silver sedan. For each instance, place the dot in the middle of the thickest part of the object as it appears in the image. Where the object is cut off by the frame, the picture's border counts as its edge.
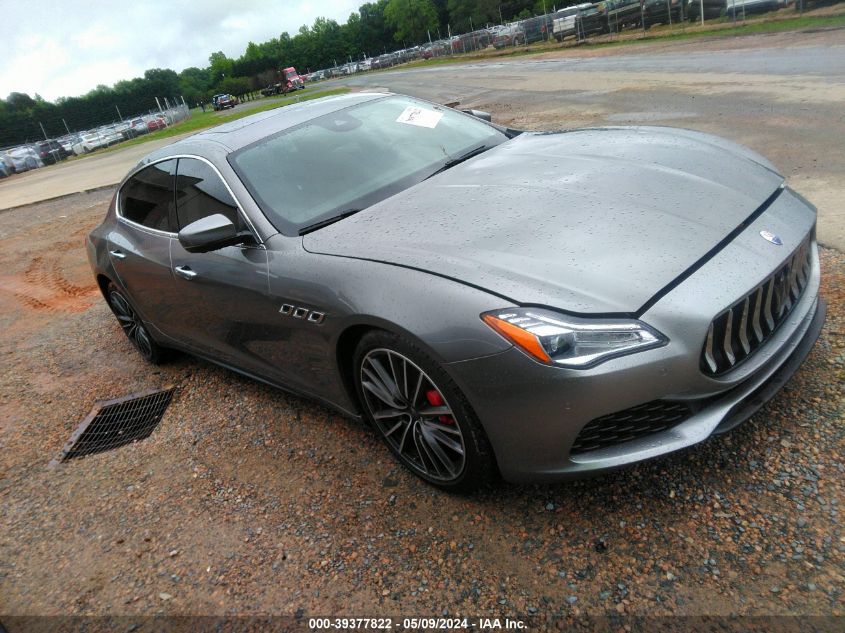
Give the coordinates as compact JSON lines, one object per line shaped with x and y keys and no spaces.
{"x":494,"y":302}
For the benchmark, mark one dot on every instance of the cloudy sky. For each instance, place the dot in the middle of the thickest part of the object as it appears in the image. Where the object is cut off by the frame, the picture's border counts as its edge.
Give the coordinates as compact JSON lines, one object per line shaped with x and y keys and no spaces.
{"x":67,"y":47}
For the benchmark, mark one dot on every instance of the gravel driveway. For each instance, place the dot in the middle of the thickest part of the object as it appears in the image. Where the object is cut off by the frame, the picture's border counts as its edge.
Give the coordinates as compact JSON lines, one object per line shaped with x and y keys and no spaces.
{"x":249,"y":501}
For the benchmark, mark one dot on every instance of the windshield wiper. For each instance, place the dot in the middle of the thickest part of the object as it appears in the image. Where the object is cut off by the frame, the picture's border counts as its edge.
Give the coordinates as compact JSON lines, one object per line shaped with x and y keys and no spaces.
{"x":327,"y":221}
{"x":459,"y":159}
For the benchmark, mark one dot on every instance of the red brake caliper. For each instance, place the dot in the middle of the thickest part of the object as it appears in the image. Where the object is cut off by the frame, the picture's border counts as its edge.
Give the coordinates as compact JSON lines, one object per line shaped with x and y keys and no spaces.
{"x":436,"y":400}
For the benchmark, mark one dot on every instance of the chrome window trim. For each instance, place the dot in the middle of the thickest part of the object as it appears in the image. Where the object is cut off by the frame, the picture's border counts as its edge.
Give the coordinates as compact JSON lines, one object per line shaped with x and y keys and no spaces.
{"x":241,"y":212}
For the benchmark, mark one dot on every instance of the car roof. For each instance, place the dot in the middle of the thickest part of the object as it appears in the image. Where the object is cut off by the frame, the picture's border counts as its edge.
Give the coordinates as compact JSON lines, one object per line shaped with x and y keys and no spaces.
{"x":242,"y":132}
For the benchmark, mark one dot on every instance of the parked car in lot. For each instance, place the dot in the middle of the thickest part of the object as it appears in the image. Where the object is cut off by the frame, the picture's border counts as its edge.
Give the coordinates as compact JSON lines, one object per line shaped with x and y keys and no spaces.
{"x":474,"y":41}
{"x":382,"y":61}
{"x":564,"y":20}
{"x":661,"y":12}
{"x":512,"y":35}
{"x":223,"y":101}
{"x":155,"y":123}
{"x":737,"y":7}
{"x":540,"y":328}
{"x":138,"y":126}
{"x":89,"y":142}
{"x":23,"y":159}
{"x":110,"y":135}
{"x":590,"y":21}
{"x":619,"y":14}
{"x":712,"y":9}
{"x":537,"y":29}
{"x":68,"y":142}
{"x":50,"y":152}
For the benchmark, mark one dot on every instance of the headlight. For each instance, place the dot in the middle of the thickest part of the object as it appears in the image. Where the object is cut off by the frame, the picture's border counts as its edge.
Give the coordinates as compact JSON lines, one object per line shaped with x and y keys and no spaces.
{"x":578,"y":343}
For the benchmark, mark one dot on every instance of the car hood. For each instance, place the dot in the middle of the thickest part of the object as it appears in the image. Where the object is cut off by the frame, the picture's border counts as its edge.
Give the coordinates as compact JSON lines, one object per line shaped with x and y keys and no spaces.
{"x":588,"y":221}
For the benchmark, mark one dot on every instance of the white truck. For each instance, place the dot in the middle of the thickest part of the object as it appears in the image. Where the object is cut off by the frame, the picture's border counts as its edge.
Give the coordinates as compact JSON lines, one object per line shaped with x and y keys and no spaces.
{"x":564,"y":20}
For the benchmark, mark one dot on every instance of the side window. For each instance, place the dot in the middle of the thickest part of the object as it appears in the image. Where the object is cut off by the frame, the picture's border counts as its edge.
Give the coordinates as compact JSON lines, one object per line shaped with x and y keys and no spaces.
{"x":200,"y":192}
{"x":147,"y":197}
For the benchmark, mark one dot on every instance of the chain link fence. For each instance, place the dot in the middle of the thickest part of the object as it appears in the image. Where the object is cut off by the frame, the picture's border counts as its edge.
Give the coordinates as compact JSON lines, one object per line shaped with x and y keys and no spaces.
{"x":48,"y":150}
{"x":578,"y":23}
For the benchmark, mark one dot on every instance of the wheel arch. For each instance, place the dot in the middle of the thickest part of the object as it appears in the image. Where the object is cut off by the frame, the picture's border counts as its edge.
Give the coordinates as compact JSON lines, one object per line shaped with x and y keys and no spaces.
{"x":103,"y":284}
{"x":345,"y":346}
{"x":348,"y":338}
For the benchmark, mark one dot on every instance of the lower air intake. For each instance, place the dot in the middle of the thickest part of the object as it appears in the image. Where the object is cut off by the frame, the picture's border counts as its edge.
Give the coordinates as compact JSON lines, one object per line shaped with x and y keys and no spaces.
{"x":630,"y":424}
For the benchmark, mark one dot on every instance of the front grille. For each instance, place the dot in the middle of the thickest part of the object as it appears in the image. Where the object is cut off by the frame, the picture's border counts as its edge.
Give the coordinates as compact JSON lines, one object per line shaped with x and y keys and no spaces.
{"x":744,"y":327}
{"x":630,"y":424}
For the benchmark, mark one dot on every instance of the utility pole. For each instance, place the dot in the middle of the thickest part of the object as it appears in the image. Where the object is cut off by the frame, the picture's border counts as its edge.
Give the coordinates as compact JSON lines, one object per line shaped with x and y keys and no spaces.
{"x":158,"y":103}
{"x":119,"y":115}
{"x":701,"y":8}
{"x":66,"y":127}
{"x":642,"y":15}
{"x":42,"y":130}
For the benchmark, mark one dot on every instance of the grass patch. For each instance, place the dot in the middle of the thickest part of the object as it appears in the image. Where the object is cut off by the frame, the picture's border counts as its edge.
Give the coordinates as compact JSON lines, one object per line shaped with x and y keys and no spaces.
{"x":723,"y":27}
{"x":200,"y":120}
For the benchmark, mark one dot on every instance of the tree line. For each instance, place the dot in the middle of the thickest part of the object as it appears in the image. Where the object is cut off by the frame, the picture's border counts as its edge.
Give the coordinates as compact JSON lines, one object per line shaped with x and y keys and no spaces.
{"x":376,"y":28}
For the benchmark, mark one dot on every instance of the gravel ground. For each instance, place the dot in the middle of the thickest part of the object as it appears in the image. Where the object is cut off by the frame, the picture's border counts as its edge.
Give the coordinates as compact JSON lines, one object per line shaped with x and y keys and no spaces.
{"x":246,"y":500}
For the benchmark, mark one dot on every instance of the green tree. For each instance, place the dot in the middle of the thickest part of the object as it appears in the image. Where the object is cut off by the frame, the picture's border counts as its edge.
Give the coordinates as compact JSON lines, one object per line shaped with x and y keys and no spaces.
{"x":161,"y":82}
{"x":234,"y":85}
{"x":375,"y":34}
{"x":219,"y":66}
{"x":193,"y":84}
{"x":411,"y":20}
{"x":20,"y":101}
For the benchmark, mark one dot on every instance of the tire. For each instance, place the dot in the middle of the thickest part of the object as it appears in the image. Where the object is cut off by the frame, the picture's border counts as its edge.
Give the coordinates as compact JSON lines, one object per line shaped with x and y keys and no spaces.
{"x":423,"y":418}
{"x":135,"y":329}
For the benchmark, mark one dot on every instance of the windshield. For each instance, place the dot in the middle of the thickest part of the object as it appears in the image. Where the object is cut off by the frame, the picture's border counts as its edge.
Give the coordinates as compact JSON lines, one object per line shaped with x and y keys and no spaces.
{"x":290,"y":74}
{"x":354,"y":158}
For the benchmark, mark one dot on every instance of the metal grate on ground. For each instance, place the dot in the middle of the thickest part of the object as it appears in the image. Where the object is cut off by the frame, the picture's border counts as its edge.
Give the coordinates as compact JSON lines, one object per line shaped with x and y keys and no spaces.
{"x":115,"y":423}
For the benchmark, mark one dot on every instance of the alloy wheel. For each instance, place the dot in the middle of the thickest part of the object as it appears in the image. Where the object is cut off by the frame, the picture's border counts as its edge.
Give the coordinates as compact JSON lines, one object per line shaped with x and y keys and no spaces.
{"x":413,"y":415}
{"x":132,"y":325}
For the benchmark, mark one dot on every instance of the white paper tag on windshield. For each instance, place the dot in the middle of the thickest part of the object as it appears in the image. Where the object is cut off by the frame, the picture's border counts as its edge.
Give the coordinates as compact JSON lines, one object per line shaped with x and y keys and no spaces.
{"x":420,"y":117}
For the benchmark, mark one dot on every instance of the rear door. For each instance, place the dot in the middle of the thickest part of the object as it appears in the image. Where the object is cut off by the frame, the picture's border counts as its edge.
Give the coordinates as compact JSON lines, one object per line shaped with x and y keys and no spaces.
{"x":139,"y":248}
{"x":220,"y":298}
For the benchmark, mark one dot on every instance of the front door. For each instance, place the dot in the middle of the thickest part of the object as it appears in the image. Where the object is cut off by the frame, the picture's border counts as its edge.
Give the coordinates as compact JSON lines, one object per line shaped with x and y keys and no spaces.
{"x":219,"y":299}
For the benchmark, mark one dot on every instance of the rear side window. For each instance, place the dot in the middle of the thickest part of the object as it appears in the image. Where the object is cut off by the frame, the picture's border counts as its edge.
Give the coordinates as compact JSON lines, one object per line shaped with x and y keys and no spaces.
{"x":200,"y":192}
{"x":147,"y":197}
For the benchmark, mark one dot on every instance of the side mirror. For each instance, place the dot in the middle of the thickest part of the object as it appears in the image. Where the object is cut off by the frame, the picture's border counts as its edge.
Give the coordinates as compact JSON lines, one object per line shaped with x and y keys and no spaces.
{"x":480,"y":114}
{"x":209,"y":234}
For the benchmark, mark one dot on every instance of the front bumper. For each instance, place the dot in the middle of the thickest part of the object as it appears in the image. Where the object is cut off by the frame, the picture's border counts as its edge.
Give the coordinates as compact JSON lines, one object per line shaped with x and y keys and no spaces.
{"x":529,"y":430}
{"x":533,"y":413}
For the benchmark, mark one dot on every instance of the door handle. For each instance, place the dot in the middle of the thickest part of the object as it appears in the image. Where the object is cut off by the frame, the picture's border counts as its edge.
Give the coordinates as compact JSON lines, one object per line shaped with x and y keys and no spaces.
{"x":118,"y":254}
{"x":185,"y":271}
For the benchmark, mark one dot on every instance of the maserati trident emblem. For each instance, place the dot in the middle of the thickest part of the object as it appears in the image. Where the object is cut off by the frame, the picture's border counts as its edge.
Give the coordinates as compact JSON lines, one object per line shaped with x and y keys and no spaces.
{"x":771,"y":237}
